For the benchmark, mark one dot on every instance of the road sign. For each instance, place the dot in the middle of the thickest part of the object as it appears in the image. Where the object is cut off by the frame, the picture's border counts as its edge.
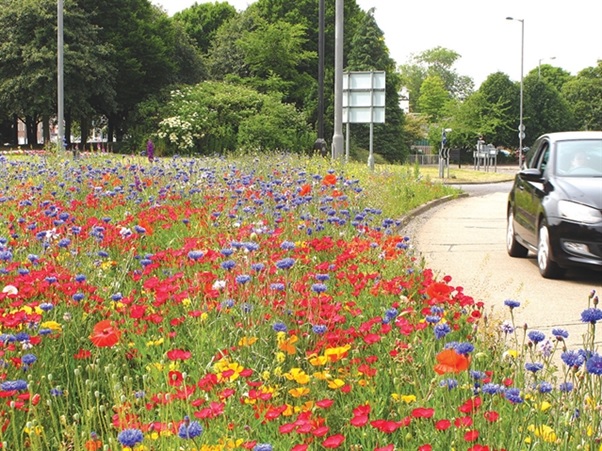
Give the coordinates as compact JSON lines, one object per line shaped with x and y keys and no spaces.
{"x":521,"y":135}
{"x":521,"y":128}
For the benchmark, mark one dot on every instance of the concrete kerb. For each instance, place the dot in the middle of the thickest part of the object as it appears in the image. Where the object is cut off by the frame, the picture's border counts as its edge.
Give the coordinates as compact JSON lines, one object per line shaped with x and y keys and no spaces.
{"x":405,"y":219}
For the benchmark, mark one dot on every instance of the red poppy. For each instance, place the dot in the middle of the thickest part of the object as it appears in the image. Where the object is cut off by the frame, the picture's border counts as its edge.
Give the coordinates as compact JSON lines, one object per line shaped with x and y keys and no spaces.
{"x":178,"y":354}
{"x":442,"y":425}
{"x":422,"y":412}
{"x":334,"y":441}
{"x":471,"y":405}
{"x":439,"y":291}
{"x":305,"y":190}
{"x":329,"y":179}
{"x":451,"y":362}
{"x":463,"y":422}
{"x":491,"y":416}
{"x":104,"y":334}
{"x":359,"y":420}
{"x":426,"y":447}
{"x":385,"y":448}
{"x":176,"y":378}
{"x":324,"y":403}
{"x":471,"y":436}
{"x":302,"y":447}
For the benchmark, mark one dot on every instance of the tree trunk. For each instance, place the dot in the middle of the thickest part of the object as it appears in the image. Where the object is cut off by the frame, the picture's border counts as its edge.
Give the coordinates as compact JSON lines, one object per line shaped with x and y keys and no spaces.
{"x":68,"y":128}
{"x":31,"y":126}
{"x":46,"y":129}
{"x":15,"y":131}
{"x":84,"y":126}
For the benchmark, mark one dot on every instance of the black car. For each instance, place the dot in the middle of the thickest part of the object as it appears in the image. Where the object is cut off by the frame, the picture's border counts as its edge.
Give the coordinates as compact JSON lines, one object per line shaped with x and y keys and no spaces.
{"x":555,"y":204}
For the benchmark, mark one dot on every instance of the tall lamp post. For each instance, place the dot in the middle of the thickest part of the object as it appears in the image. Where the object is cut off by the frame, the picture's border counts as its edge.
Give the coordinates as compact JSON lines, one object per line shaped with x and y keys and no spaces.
{"x":337,"y":139}
{"x":539,"y":66}
{"x":320,"y":144}
{"x":60,"y":92}
{"x":521,"y":126}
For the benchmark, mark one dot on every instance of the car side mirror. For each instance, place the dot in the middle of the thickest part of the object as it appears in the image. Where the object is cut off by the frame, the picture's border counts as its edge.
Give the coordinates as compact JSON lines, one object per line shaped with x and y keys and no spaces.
{"x":531,"y":175}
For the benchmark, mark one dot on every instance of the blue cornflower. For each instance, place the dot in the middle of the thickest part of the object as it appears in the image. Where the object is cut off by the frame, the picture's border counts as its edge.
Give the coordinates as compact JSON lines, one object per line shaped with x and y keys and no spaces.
{"x":246,"y":307}
{"x":77,"y":297}
{"x":390,"y":315}
{"x":511,"y":303}
{"x":28,"y":359}
{"x":103,"y":254}
{"x":139,"y":229}
{"x":287,"y":245}
{"x":242,"y":279}
{"x":322,"y":277}
{"x":116,"y":297}
{"x":257,"y":267}
{"x":50,"y":279}
{"x":277,"y":286}
{"x":594,"y":364}
{"x":130,"y":437}
{"x":441,"y":330}
{"x":6,"y":255}
{"x":227,"y":251}
{"x":190,"y":429}
{"x":18,"y":384}
{"x":545,"y":387}
{"x":56,"y":392}
{"x":437,"y":310}
{"x":535,"y":336}
{"x":477,"y":375}
{"x":591,"y":315}
{"x":492,"y":389}
{"x":464,"y":348}
{"x":262,"y":447}
{"x":566,"y":387}
{"x":195,"y":255}
{"x":572,"y":359}
{"x":448,"y":383}
{"x":432,"y":319}
{"x":46,"y":306}
{"x":279,"y":327}
{"x":560,"y":334}
{"x":318,"y":329}
{"x":145,"y":261}
{"x":80,"y":278}
{"x":533,"y":366}
{"x":228,"y":303}
{"x":64,"y":242}
{"x":285,"y":263}
{"x":319,"y":287}
{"x":513,"y":395}
{"x":228,"y":264}
{"x":507,"y":327}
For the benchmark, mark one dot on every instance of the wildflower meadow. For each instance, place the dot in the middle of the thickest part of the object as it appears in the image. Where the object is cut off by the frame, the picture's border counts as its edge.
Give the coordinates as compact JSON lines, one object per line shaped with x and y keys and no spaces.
{"x":259,"y":303}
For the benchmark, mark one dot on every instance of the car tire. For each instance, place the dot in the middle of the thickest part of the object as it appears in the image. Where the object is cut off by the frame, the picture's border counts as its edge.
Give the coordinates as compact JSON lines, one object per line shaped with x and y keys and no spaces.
{"x":548,"y":268}
{"x":514,"y":248}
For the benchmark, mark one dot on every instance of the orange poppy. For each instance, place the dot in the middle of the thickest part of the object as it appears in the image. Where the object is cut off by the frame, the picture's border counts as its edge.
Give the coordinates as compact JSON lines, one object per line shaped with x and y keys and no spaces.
{"x":451,"y":362}
{"x":305,"y":190}
{"x":329,"y":179}
{"x":104,"y":334}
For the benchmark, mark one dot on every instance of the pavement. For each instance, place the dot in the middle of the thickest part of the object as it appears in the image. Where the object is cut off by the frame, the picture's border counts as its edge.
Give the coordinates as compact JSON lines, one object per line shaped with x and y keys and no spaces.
{"x":465,"y":239}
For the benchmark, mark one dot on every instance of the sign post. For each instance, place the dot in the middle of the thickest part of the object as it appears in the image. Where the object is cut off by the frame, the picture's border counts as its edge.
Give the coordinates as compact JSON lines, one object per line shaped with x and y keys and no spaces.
{"x":364,"y":103}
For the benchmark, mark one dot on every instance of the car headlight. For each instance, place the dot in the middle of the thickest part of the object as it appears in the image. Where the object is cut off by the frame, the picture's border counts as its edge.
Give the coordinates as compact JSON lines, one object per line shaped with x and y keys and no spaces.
{"x":578,"y":212}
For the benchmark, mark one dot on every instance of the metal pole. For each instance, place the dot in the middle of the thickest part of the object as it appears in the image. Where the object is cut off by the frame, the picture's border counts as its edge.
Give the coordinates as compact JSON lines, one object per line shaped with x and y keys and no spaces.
{"x":320,"y":144}
{"x":60,"y":84}
{"x":337,"y":139}
{"x":521,"y":133}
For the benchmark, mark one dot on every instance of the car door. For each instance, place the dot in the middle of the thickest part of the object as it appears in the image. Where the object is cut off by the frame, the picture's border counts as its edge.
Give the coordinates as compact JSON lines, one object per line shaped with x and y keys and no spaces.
{"x":529,"y":193}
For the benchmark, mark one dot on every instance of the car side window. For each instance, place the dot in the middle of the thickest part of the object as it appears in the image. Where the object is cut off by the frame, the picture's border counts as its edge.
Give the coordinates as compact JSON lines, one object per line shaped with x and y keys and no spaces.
{"x":545,"y":156}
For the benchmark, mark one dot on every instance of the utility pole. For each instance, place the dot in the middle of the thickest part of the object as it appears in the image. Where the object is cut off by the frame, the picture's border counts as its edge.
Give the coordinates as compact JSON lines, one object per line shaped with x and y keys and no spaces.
{"x":60,"y":83}
{"x":337,"y":139}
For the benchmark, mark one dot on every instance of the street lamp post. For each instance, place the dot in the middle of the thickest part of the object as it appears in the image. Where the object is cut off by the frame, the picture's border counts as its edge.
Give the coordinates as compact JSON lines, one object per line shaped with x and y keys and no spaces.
{"x":320,"y":144}
{"x":60,"y":85}
{"x":337,"y":139}
{"x":539,"y":66}
{"x":521,"y":127}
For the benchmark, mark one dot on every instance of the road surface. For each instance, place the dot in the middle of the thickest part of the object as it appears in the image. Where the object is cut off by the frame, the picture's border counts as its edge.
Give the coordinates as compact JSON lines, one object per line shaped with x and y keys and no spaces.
{"x":465,"y":239}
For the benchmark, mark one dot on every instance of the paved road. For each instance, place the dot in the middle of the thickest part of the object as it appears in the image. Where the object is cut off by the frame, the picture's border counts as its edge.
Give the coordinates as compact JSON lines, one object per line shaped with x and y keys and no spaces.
{"x":465,"y":239}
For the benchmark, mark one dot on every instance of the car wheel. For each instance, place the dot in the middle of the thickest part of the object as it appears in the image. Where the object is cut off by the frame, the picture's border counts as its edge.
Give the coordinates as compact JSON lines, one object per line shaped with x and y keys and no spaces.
{"x":514,"y":248}
{"x":547,"y":267}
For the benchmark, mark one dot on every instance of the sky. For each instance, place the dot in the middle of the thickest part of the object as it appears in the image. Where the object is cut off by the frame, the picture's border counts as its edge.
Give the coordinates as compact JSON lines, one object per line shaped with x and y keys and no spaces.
{"x":566,"y":34}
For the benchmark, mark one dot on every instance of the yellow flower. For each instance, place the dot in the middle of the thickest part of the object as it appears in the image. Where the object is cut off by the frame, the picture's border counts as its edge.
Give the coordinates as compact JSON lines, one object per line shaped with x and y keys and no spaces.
{"x":298,"y":392}
{"x":265,"y":375}
{"x":335,"y":384}
{"x":186,"y":302}
{"x":322,"y":375}
{"x":545,"y":405}
{"x":298,"y":375}
{"x":408,"y":399}
{"x":512,"y":353}
{"x":280,"y":357}
{"x":545,"y":432}
{"x":318,"y":360}
{"x":52,"y":325}
{"x":336,"y":354}
{"x":247,"y":341}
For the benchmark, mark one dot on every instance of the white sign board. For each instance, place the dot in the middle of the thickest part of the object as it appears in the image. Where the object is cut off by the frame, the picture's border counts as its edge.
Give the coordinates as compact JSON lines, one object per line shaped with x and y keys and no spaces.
{"x":364,"y":97}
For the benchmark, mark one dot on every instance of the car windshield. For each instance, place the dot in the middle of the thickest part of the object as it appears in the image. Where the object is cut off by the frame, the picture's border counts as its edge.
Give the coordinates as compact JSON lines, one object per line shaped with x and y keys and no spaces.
{"x":580,"y":158}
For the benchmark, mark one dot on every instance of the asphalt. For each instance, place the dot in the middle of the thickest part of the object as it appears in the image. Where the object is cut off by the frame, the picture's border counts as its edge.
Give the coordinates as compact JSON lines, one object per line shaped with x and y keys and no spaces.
{"x":464,"y":238}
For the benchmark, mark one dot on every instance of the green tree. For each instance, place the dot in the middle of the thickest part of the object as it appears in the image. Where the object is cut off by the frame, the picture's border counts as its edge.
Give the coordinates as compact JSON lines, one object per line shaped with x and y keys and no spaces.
{"x":433,"y":97}
{"x":439,"y":62}
{"x":201,"y":21}
{"x":555,"y":76}
{"x":544,"y":109}
{"x":28,"y":67}
{"x":583,"y":94}
{"x":219,"y":116}
{"x":499,"y":110}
